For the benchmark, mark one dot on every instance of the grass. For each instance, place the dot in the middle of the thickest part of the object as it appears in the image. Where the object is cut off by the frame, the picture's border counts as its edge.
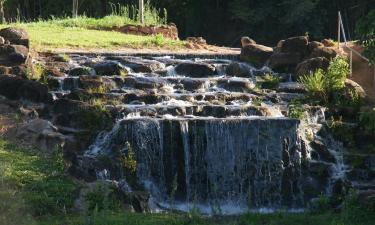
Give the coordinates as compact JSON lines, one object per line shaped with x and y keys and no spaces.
{"x":89,"y":33}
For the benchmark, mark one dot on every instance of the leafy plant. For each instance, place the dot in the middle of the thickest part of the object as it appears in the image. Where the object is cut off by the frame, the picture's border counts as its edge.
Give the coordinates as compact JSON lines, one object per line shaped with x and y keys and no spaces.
{"x":322,"y":85}
{"x":365,"y":31}
{"x":315,"y":85}
{"x":270,"y":81}
{"x":296,"y":110}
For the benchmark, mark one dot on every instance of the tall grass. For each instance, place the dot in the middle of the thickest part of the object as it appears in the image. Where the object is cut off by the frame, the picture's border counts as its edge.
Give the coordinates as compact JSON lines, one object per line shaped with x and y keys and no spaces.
{"x":120,"y":15}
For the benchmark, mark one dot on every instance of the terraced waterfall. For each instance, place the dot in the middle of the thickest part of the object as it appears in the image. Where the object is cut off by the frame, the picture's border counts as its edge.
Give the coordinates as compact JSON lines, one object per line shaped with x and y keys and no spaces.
{"x":205,"y":135}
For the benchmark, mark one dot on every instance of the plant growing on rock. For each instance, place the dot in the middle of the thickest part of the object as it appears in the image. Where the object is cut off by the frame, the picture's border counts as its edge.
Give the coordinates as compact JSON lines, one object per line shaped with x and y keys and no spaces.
{"x":296,"y":110}
{"x":323,"y":85}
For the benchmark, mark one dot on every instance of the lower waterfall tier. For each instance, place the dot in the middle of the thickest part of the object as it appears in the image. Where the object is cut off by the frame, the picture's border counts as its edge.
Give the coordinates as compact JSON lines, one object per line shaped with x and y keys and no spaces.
{"x":247,"y":162}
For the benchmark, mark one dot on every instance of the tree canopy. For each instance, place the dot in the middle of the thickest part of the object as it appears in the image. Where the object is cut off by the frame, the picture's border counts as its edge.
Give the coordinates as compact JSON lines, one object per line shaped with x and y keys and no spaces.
{"x":220,"y":21}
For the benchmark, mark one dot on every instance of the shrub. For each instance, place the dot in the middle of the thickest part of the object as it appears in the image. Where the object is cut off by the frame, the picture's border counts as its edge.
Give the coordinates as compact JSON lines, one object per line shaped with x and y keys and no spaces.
{"x":365,"y":30}
{"x":315,"y":85}
{"x":102,"y":197}
{"x":323,"y":85}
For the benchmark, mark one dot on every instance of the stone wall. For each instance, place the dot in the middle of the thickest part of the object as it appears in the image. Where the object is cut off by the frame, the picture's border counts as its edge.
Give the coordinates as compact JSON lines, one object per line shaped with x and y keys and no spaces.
{"x":168,"y":31}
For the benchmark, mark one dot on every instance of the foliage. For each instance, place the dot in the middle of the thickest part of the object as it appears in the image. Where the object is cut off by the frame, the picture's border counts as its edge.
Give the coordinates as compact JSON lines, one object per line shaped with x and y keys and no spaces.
{"x":320,"y":205}
{"x":358,"y":213}
{"x":367,"y":121}
{"x":343,"y":131}
{"x":296,"y":110}
{"x":270,"y":81}
{"x":323,"y":85}
{"x":102,"y":197}
{"x":315,"y":85}
{"x":96,"y":116}
{"x":365,"y":31}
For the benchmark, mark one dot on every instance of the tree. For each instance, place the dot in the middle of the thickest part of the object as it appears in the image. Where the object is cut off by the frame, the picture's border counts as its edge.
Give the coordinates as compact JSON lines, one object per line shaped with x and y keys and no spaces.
{"x":2,"y":14}
{"x":75,"y":8}
{"x":366,"y":34}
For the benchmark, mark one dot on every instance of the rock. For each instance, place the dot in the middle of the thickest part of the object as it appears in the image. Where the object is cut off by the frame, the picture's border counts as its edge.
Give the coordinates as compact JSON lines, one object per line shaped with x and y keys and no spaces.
{"x":78,"y":71}
{"x":351,"y":85}
{"x":17,"y":36}
{"x":291,"y":87}
{"x":13,"y":54}
{"x":326,"y":52}
{"x":144,"y":82}
{"x":195,"y":69}
{"x":16,"y":88}
{"x":295,"y":45}
{"x":193,"y":84}
{"x":96,"y":83}
{"x":41,"y":134}
{"x":309,"y":66}
{"x":328,"y":43}
{"x":284,"y":61}
{"x":110,"y":69}
{"x":197,"y":40}
{"x":139,"y":201}
{"x":54,"y":72}
{"x":314,"y":44}
{"x":239,"y":70}
{"x":245,"y":41}
{"x":2,"y":41}
{"x":323,"y":153}
{"x":139,"y":65}
{"x":256,"y":54}
{"x":236,"y":85}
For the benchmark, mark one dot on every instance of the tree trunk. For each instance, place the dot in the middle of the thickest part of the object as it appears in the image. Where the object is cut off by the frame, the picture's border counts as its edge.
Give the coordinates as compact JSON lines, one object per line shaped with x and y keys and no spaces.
{"x":2,"y":14}
{"x":141,"y":11}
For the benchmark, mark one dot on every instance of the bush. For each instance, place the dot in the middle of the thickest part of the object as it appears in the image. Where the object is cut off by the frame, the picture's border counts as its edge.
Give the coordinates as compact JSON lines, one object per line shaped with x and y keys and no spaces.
{"x":315,"y":85}
{"x":322,"y":86}
{"x":365,"y":31}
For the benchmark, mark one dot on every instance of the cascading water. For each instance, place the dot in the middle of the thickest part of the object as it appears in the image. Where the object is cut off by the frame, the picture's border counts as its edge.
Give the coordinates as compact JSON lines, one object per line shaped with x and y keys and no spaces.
{"x":206,"y":141}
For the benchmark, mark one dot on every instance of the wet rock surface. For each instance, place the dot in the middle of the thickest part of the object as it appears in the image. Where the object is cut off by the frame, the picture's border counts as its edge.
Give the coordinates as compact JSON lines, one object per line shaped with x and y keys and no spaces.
{"x":199,"y":129}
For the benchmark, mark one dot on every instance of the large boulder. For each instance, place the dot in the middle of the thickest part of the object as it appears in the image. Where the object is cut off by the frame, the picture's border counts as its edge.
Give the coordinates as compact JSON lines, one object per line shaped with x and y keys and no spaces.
{"x":41,"y":134}
{"x":295,"y":45}
{"x":245,"y":41}
{"x":13,"y":54}
{"x":309,"y":66}
{"x":16,"y":88}
{"x":352,"y":85}
{"x":284,"y":61}
{"x":256,"y":54}
{"x":16,"y":36}
{"x":326,"y":52}
{"x":195,"y":69}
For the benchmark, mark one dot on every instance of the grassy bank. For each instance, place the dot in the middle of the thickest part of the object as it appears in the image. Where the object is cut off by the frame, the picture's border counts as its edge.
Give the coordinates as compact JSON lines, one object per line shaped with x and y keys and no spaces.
{"x":88,"y":33}
{"x":34,"y":189}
